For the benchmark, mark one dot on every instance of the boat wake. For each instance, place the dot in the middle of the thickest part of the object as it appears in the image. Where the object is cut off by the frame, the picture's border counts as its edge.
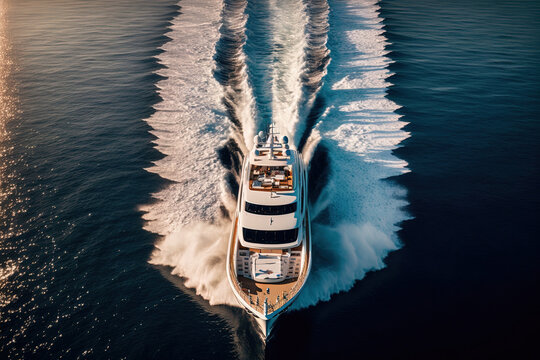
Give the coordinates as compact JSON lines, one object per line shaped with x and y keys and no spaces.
{"x":232,"y":67}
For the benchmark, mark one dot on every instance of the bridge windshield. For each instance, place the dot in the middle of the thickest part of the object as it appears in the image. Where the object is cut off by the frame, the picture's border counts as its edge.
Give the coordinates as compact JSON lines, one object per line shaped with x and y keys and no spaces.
{"x":270,"y":237}
{"x":270,"y":209}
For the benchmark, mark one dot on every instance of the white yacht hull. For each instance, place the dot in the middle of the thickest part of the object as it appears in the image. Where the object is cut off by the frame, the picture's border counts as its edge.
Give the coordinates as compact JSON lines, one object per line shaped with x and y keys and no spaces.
{"x":267,"y":272}
{"x":266,"y":326}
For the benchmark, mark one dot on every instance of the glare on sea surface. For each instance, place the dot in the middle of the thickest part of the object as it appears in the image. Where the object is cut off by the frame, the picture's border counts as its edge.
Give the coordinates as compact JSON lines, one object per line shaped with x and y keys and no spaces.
{"x":8,"y":112}
{"x":8,"y":198}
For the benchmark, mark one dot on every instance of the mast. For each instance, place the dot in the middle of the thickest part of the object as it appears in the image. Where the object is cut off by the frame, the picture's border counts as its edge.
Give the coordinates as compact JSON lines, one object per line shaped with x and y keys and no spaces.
{"x":272,"y":140}
{"x":271,"y":134}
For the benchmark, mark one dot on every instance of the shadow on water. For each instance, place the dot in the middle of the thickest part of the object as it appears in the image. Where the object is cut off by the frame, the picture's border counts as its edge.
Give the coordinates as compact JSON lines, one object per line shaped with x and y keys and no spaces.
{"x":247,"y":341}
{"x":319,"y":172}
{"x":231,"y":156}
{"x":319,"y":106}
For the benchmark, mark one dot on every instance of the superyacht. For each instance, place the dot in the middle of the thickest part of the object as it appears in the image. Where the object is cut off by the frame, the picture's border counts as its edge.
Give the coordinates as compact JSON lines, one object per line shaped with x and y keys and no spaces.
{"x":269,"y":254}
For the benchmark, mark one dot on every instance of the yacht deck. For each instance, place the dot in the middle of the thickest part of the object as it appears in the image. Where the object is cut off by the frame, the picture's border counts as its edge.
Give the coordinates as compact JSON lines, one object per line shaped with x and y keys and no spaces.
{"x":270,"y":178}
{"x":258,"y":289}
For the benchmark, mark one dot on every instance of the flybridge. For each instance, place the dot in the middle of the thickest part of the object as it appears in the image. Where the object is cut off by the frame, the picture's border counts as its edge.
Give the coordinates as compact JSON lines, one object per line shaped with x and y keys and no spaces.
{"x":270,"y":178}
{"x":272,"y":161}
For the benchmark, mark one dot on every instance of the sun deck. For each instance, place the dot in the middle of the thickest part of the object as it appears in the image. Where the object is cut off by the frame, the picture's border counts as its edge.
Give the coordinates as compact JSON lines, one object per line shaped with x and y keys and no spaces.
{"x":270,"y":178}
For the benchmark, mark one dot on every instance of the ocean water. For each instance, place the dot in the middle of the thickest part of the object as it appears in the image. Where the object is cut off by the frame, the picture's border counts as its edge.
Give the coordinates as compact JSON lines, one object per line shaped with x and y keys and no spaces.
{"x":123,"y":125}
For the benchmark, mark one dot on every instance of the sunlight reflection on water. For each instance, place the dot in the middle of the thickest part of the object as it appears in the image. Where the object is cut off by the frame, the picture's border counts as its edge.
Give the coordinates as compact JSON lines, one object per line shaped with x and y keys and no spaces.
{"x":8,"y":188}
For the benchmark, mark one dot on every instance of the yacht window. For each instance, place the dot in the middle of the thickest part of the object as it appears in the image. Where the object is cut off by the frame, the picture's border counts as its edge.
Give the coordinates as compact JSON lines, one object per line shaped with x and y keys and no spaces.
{"x":270,"y":209}
{"x":270,"y":237}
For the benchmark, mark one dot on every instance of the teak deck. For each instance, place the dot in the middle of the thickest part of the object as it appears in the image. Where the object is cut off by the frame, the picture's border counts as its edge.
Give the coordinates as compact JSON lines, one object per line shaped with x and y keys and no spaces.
{"x":288,"y":183}
{"x":258,"y":289}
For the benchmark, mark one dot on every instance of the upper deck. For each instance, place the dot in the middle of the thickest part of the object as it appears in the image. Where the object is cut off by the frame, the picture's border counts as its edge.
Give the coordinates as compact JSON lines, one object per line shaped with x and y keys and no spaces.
{"x":270,"y":178}
{"x":271,"y":165}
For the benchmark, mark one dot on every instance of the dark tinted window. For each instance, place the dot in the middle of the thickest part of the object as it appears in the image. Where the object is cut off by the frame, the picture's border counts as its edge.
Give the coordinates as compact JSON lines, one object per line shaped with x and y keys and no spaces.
{"x":270,"y":209}
{"x":270,"y":237}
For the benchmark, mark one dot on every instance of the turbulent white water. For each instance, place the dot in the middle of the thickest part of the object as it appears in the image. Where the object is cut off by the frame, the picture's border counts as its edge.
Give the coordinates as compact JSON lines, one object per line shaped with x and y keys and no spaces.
{"x":190,"y":124}
{"x":289,"y":41}
{"x":355,"y":217}
{"x":359,"y":128}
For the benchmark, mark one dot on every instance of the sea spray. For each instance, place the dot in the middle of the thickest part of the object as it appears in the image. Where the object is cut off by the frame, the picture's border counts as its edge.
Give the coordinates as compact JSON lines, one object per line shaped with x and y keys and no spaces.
{"x":198,"y":253}
{"x":190,"y":124}
{"x":347,"y":252}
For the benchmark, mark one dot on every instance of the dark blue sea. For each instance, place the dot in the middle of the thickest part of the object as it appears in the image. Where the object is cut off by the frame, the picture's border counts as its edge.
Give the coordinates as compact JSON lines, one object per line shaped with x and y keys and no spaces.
{"x":122,"y":128}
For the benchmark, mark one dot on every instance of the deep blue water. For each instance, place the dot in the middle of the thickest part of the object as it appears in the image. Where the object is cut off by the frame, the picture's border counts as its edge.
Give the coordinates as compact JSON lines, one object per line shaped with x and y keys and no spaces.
{"x":464,"y":285}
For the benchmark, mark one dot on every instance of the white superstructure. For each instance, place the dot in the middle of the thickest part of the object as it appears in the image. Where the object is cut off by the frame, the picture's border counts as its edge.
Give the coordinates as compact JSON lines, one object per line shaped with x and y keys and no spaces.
{"x":269,"y":255}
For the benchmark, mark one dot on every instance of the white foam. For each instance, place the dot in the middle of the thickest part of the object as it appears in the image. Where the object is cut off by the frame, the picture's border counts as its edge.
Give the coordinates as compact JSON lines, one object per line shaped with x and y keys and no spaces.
{"x":289,"y":40}
{"x":311,"y":144}
{"x":190,"y":125}
{"x":238,"y":89}
{"x":362,"y":248}
{"x":197,"y":252}
{"x":360,"y":129}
